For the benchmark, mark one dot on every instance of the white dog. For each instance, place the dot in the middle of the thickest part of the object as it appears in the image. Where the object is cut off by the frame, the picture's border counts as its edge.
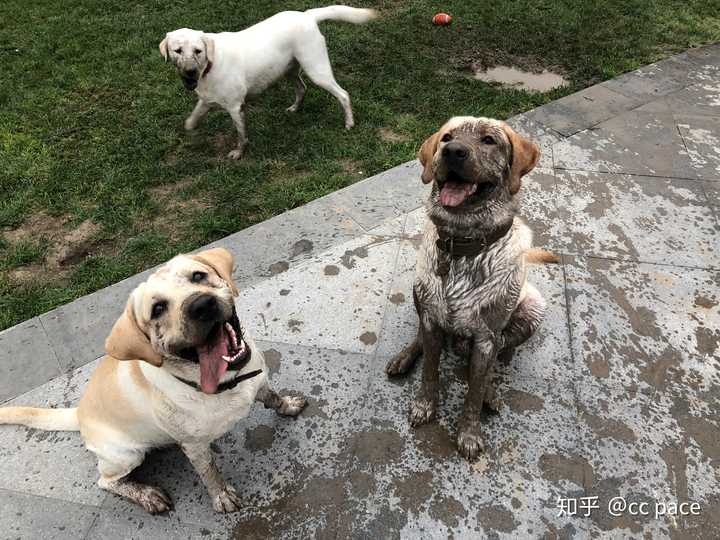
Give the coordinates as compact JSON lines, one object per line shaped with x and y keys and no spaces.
{"x":179,"y":370}
{"x":225,"y":68}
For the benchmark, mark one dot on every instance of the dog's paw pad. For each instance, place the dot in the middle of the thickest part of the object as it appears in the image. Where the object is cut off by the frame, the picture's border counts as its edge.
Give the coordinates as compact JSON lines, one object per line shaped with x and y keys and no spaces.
{"x":235,"y":154}
{"x":154,"y":500}
{"x":227,"y":501}
{"x":292,"y":405}
{"x":422,"y":411}
{"x":470,"y":444}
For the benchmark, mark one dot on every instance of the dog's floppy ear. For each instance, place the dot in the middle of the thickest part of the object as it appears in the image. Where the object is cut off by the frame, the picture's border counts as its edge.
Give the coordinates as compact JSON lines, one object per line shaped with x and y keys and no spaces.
{"x":220,"y":260}
{"x":426,"y":155}
{"x":164,"y":48}
{"x":209,"y":47}
{"x":127,"y":341}
{"x":525,"y":156}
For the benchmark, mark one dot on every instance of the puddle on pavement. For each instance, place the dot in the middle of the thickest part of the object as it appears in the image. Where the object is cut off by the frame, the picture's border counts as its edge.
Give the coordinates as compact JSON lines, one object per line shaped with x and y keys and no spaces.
{"x":526,"y":80}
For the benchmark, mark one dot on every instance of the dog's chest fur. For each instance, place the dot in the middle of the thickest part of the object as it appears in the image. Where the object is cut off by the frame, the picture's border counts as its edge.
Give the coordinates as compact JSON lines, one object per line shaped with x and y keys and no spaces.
{"x":477,"y":292}
{"x":191,"y":416}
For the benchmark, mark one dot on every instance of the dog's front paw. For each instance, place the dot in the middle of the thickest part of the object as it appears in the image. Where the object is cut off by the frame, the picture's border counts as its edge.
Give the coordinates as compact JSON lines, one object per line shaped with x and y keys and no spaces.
{"x":291,"y":405}
{"x":154,"y":500}
{"x":227,"y":501}
{"x":469,"y":441}
{"x":422,"y":411}
{"x":235,"y":154}
{"x":190,"y":124}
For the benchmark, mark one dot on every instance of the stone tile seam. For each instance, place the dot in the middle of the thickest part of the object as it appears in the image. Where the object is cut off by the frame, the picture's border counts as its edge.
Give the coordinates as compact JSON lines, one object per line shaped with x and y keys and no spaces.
{"x":59,"y":376}
{"x":48,"y":497}
{"x":644,"y":175}
{"x":643,"y":262}
{"x":52,"y":346}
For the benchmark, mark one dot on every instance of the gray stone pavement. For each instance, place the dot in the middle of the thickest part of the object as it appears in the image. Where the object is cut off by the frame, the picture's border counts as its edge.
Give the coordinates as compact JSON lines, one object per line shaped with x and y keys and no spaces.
{"x":617,"y":395}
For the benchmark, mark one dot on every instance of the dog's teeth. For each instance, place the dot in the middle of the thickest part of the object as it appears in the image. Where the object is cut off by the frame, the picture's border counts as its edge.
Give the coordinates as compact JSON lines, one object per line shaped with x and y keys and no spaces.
{"x":227,"y":359}
{"x":232,"y":334}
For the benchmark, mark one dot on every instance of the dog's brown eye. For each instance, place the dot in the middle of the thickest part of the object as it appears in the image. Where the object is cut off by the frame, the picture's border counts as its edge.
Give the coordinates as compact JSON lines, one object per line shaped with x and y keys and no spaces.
{"x":197,"y":51}
{"x":158,"y":309}
{"x":197,"y":277}
{"x":178,"y":50}
{"x":447,"y":137}
{"x":487,"y":139}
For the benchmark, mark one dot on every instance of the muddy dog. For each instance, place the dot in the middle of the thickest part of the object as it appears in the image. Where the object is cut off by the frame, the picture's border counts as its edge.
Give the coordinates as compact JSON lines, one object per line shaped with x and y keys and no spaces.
{"x":471,"y":276}
{"x":179,"y":370}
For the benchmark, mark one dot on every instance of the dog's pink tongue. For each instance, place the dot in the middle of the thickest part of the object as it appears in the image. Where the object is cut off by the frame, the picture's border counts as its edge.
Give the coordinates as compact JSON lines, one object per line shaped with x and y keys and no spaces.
{"x":212,"y":365}
{"x":454,"y":193}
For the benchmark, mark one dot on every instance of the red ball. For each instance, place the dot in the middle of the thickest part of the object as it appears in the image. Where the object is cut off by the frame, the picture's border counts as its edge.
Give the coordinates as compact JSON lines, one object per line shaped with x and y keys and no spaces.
{"x":441,"y":19}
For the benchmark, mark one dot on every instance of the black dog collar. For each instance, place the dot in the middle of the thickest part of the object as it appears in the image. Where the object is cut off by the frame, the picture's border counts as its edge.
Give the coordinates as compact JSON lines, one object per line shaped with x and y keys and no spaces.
{"x":228,"y":385}
{"x":454,"y":247}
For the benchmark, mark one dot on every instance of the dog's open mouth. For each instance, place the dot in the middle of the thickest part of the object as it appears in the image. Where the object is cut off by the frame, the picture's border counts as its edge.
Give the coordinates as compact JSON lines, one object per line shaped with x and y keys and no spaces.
{"x":225,"y":350}
{"x":455,"y":190}
{"x":190,"y":84}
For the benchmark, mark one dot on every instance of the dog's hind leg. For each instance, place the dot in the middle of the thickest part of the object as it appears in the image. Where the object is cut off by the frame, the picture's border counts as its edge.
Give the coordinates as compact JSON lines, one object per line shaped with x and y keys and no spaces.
{"x":238,"y":116}
{"x":285,"y":405}
{"x":313,"y":58}
{"x":525,"y":320}
{"x":401,"y":363}
{"x":294,"y":75}
{"x":224,"y":497}
{"x":199,"y":112}
{"x":114,"y":478}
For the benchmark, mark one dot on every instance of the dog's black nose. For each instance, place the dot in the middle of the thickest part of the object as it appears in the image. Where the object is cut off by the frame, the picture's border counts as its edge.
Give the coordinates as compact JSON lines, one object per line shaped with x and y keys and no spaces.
{"x":204,"y":308}
{"x":191,"y":73}
{"x":455,"y":151}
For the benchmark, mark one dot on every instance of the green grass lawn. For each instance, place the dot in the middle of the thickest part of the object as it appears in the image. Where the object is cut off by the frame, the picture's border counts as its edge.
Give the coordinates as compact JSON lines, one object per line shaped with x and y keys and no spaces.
{"x":91,"y":118}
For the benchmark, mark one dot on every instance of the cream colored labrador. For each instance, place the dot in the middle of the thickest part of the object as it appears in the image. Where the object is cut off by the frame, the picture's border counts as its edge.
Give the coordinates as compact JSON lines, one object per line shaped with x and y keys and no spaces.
{"x":178,"y":370}
{"x":225,"y":68}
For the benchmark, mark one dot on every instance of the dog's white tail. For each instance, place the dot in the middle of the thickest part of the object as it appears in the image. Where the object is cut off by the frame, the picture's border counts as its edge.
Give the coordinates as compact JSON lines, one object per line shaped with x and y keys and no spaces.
{"x":343,"y":13}
{"x":48,"y":419}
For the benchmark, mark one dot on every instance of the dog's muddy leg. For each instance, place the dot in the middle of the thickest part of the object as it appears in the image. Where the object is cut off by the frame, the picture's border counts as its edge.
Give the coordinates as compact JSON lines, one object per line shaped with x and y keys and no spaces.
{"x":401,"y":363}
{"x":199,"y":112}
{"x":294,"y":76}
{"x":114,"y":478}
{"x":525,"y":320}
{"x":238,"y":116}
{"x":286,"y":405}
{"x":424,"y":407}
{"x":482,"y":358}
{"x":224,"y":497}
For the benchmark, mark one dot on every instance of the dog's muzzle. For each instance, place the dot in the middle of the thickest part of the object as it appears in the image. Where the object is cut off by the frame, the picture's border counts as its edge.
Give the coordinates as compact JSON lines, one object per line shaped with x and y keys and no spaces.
{"x":190,"y":78}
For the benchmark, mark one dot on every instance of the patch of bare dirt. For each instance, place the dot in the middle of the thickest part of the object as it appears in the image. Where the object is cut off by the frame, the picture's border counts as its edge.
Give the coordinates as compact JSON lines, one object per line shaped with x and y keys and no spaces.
{"x":388,"y":135}
{"x":172,"y":221}
{"x":35,"y":227}
{"x":352,"y":167}
{"x":222,"y":143}
{"x":67,"y":246}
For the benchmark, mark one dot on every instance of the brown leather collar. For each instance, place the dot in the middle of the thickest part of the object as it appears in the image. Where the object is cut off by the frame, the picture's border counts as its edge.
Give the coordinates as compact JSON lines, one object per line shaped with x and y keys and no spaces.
{"x":462,"y":246}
